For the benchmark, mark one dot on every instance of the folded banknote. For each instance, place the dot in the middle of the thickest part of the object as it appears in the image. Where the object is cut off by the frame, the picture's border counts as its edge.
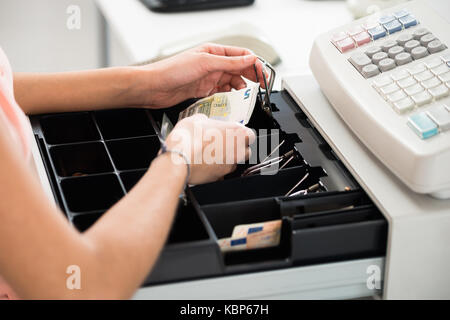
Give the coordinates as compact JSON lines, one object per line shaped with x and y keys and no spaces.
{"x":236,"y":106}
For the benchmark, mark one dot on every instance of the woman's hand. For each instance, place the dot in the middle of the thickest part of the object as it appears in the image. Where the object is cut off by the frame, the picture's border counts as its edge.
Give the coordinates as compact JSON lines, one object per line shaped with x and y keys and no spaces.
{"x":196,"y":73}
{"x":212,"y":147}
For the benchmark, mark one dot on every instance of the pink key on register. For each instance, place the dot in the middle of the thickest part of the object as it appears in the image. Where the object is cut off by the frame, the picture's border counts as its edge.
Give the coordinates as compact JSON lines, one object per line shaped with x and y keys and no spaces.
{"x":353,"y":31}
{"x":338,"y":37}
{"x":345,"y":45}
{"x":361,"y":38}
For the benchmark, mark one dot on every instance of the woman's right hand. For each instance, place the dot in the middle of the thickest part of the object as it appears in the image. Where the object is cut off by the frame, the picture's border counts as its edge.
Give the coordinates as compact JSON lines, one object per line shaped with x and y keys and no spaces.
{"x":212,"y":147}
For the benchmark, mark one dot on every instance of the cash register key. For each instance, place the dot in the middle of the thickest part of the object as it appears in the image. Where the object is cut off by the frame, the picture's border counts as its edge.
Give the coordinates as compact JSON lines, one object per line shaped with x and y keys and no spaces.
{"x":400,"y":13}
{"x":440,"y":69}
{"x":414,"y":89}
{"x":411,"y":44}
{"x":445,"y":57}
{"x":381,"y":82}
{"x":386,"y":19}
{"x":424,"y":76}
{"x":395,"y":51}
{"x":396,"y":96}
{"x":404,"y":38}
{"x":433,"y":63}
{"x":360,"y":60}
{"x":370,"y":70}
{"x":353,"y":31}
{"x":361,"y":38}
{"x":345,"y":45}
{"x":417,"y":69}
{"x":439,"y":92}
{"x":372,"y":50}
{"x":408,"y":21}
{"x":431,"y":83}
{"x":419,"y":52}
{"x":426,"y":39}
{"x":404,"y":105}
{"x":388,"y":45}
{"x":419,"y":33}
{"x":441,"y":116}
{"x":407,"y":82}
{"x":422,"y":98}
{"x":445,"y":77}
{"x":387,"y":64}
{"x":422,"y":125}
{"x":390,"y":88}
{"x":377,"y":32}
{"x":393,"y":26}
{"x":400,"y":74}
{"x":435,"y":46}
{"x":403,"y":58}
{"x":377,"y":57}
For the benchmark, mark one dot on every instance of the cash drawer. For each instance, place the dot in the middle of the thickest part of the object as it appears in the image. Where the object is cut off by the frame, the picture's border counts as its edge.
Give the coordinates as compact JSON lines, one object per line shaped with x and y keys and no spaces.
{"x":94,"y":158}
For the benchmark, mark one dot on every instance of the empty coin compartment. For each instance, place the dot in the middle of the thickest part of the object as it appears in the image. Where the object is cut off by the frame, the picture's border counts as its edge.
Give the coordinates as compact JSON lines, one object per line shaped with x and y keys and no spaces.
{"x":80,"y":159}
{"x":91,"y":193}
{"x":68,"y":128}
{"x":124,"y":123}
{"x":83,"y":222}
{"x":138,"y":153}
{"x":131,"y":178}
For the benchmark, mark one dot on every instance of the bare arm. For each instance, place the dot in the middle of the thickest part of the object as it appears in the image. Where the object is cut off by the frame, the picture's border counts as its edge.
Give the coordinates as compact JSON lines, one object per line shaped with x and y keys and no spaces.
{"x":77,"y":91}
{"x":196,"y":73}
{"x":37,"y":244}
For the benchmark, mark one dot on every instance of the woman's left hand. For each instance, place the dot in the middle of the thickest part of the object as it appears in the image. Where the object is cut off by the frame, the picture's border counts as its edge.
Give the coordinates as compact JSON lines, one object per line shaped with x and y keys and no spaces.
{"x":196,"y":73}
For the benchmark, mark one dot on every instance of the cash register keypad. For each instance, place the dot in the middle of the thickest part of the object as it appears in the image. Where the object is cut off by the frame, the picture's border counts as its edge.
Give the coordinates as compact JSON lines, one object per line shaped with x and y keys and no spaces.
{"x":411,"y":87}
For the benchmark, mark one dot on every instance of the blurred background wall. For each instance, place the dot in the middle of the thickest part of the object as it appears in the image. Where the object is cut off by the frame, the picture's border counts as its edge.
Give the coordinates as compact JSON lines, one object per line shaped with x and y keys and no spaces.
{"x":35,"y":36}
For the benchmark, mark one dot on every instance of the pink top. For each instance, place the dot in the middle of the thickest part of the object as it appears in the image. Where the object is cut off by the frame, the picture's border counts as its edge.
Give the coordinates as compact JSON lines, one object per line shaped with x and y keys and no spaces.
{"x":19,"y":130}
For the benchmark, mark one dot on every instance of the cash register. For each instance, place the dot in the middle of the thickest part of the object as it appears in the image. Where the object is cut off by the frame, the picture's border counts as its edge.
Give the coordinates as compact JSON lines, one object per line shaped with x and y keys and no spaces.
{"x":370,"y":128}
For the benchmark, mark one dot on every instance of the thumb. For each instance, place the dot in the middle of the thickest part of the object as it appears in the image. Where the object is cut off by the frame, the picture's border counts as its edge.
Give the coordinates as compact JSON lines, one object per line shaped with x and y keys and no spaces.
{"x":228,"y":64}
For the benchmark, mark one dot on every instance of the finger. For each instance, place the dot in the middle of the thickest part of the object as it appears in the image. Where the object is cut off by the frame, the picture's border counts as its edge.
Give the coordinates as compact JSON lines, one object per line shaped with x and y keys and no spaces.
{"x":230,"y":51}
{"x":213,"y":63}
{"x":225,"y":79}
{"x":225,"y":88}
{"x":237,"y":82}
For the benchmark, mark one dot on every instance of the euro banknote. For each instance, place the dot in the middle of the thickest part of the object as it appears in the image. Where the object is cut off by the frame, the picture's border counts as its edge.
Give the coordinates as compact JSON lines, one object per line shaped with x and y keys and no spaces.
{"x":236,"y":106}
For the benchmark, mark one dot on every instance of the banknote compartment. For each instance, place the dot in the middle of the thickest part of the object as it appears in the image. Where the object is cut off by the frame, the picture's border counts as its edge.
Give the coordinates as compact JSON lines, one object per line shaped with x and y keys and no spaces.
{"x":123,"y":123}
{"x":334,"y":227}
{"x":80,"y":159}
{"x":91,"y":193}
{"x":257,"y":186}
{"x":224,"y":217}
{"x":68,"y":128}
{"x":131,"y":154}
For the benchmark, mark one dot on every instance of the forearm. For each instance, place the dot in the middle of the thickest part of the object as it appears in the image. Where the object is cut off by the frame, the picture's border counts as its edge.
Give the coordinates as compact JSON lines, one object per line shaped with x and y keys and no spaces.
{"x":130,"y":236}
{"x":78,"y":91}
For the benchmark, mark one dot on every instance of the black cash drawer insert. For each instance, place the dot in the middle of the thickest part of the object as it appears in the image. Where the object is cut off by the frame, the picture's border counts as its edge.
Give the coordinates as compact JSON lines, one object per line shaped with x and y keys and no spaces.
{"x":94,"y":158}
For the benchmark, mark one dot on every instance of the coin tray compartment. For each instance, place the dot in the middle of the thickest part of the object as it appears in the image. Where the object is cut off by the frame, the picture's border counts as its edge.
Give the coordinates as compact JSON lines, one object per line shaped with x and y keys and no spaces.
{"x":91,"y":193}
{"x":69,"y":127}
{"x":115,"y":124}
{"x":93,"y":159}
{"x":131,"y":154}
{"x":82,"y":158}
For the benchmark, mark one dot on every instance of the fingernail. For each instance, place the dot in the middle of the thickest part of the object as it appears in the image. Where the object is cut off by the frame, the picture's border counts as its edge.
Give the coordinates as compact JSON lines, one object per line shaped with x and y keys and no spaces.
{"x":249,"y":58}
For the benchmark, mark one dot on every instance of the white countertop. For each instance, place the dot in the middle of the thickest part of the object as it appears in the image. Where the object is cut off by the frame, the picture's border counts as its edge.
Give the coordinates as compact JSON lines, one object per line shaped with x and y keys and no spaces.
{"x":289,"y":25}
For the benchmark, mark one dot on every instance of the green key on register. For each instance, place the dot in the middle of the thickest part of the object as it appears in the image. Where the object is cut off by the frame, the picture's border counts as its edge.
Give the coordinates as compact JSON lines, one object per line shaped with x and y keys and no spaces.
{"x":422,"y":125}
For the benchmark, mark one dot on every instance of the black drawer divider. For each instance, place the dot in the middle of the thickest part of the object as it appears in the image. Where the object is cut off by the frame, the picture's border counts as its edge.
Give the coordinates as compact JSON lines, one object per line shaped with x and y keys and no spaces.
{"x":337,"y":223}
